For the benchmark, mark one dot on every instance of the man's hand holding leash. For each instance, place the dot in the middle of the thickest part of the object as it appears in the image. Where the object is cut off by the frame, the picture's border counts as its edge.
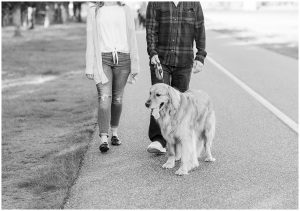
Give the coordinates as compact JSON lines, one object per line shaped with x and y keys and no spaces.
{"x":158,"y":68}
{"x":197,"y":66}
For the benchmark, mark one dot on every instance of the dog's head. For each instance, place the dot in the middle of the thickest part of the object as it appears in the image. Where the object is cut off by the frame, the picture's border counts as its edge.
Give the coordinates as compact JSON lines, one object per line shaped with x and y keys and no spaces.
{"x":162,"y":95}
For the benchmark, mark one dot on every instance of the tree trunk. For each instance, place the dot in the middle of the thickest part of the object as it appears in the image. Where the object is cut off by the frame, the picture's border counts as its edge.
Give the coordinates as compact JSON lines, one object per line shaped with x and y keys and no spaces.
{"x":79,"y":12}
{"x":66,"y":4}
{"x":64,"y":12}
{"x":57,"y":13}
{"x":5,"y":17}
{"x":74,"y":11}
{"x":17,"y":19}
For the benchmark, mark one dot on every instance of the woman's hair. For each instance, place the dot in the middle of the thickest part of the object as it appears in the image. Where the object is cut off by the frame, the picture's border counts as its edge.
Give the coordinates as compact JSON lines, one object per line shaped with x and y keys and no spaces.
{"x":99,"y":4}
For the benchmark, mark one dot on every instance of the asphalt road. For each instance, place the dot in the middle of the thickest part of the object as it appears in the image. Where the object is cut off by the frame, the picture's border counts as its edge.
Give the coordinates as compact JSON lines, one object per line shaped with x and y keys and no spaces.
{"x":256,"y":154}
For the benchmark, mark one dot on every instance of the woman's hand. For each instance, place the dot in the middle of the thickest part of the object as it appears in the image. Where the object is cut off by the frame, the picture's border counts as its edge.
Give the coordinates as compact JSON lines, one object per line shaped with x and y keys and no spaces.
{"x":90,"y":76}
{"x":132,"y":78}
{"x":133,"y":75}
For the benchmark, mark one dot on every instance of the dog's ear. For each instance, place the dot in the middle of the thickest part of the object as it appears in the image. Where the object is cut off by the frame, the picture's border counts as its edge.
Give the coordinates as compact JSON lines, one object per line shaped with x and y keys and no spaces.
{"x":174,"y":97}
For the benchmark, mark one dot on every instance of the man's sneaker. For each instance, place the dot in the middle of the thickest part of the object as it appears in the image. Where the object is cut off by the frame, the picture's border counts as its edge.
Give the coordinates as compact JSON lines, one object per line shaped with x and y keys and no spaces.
{"x":156,"y":147}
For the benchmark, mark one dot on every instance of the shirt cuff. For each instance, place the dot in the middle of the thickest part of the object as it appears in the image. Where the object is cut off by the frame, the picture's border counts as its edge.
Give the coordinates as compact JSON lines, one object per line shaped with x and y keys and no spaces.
{"x":153,"y":53}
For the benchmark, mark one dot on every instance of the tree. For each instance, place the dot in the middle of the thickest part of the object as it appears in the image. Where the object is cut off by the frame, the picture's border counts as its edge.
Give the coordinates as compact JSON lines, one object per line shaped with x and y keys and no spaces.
{"x":5,"y":12}
{"x":77,"y":10}
{"x":27,"y":14}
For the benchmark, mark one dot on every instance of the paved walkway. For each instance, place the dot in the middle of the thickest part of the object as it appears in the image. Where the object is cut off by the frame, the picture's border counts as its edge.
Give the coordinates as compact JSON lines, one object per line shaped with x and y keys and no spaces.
{"x":257,"y":155}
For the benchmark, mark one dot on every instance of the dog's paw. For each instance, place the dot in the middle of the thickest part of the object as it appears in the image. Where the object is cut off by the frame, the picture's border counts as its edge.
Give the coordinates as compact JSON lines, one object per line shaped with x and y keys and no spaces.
{"x":181,"y":172}
{"x":195,"y":164}
{"x":169,"y":165}
{"x":210,"y":159}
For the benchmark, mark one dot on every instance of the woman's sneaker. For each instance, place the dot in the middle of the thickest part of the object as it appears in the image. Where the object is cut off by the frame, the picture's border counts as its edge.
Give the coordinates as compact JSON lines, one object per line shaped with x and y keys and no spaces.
{"x":115,"y":141}
{"x":104,"y":147}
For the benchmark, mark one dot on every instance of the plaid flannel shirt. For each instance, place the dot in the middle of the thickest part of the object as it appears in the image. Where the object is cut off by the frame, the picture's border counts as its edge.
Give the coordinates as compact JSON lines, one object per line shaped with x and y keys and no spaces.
{"x":171,"y":32}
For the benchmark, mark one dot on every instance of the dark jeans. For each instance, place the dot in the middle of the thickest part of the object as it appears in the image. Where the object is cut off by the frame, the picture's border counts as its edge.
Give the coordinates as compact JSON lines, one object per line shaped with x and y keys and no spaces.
{"x":110,"y":94}
{"x":177,"y":77}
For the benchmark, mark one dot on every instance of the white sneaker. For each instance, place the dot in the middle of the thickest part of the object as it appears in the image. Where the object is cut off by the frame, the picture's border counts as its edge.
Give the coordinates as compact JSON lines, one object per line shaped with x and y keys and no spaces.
{"x":156,"y":147}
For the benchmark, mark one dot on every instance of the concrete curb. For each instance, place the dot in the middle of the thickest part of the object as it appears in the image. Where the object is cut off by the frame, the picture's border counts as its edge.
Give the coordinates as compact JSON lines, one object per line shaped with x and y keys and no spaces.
{"x":83,"y":162}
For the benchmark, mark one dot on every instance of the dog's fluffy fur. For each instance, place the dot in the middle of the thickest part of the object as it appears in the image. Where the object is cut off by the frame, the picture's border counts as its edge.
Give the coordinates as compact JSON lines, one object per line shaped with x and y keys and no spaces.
{"x":187,"y":122}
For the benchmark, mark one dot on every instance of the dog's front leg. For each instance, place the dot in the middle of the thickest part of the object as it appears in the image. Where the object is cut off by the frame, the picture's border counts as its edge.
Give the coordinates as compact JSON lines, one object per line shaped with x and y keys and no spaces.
{"x":171,"y":157}
{"x":186,"y":150}
{"x":178,"y":151}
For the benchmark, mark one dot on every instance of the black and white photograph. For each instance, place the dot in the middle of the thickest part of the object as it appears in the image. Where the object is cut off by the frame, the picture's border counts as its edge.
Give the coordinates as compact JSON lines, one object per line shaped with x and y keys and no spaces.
{"x":150,"y":105}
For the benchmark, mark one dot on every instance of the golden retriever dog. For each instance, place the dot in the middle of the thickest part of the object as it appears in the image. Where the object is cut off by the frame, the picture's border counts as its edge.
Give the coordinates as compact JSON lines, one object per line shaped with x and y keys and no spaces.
{"x":187,"y":122}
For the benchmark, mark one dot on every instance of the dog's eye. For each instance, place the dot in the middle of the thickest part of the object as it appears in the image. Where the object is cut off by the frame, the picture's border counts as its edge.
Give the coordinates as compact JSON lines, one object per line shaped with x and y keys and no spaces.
{"x":157,"y":95}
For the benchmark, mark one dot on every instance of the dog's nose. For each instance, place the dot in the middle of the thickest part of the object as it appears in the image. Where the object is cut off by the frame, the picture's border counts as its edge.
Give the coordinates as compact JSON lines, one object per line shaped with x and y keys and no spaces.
{"x":147,"y":104}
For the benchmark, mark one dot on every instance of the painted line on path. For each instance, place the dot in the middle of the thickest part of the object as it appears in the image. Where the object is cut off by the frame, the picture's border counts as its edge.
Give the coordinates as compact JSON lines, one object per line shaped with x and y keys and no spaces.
{"x":279,"y":114}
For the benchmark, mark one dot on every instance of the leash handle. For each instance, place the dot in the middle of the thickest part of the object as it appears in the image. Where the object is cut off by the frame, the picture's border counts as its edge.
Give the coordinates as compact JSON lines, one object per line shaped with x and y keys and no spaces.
{"x":159,"y":71}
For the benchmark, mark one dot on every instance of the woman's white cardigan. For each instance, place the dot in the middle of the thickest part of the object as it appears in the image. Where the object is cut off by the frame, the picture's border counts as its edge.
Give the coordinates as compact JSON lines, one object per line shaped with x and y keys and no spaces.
{"x":93,"y":53}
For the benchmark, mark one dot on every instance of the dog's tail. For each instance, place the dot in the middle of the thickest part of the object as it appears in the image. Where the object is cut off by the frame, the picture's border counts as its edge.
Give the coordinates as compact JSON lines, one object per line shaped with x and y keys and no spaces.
{"x":209,"y":134}
{"x":210,"y":126}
